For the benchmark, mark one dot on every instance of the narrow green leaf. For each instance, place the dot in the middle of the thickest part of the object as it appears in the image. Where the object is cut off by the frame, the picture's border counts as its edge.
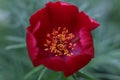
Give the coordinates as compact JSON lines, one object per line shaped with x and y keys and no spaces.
{"x":70,"y":78}
{"x":15,"y":46}
{"x":42,"y":73}
{"x":33,"y":72}
{"x":15,"y":39}
{"x":74,"y":77}
{"x":87,"y":77}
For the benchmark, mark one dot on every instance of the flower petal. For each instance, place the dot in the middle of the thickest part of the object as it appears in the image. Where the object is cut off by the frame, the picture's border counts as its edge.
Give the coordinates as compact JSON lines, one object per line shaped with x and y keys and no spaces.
{"x":55,"y":63}
{"x":87,"y":42}
{"x":63,"y":14}
{"x":39,"y":16}
{"x":86,"y":22}
{"x":31,"y":45}
{"x":83,"y":53}
{"x":41,"y":56}
{"x":76,"y":62}
{"x":36,"y":54}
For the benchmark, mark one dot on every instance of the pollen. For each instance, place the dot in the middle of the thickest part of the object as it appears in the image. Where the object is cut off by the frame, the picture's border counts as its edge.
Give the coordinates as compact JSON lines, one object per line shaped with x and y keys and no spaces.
{"x":58,"y":42}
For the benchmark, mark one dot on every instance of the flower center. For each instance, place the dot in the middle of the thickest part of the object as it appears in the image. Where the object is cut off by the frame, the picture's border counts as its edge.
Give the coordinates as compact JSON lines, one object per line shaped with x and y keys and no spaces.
{"x":58,"y":42}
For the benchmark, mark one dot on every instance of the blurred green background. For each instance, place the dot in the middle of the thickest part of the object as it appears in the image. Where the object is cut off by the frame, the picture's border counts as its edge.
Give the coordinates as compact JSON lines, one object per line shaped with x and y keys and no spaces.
{"x":14,"y":60}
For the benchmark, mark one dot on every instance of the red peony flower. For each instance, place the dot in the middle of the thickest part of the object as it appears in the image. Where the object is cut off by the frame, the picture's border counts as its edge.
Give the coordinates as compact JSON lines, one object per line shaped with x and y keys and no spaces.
{"x":59,"y":37}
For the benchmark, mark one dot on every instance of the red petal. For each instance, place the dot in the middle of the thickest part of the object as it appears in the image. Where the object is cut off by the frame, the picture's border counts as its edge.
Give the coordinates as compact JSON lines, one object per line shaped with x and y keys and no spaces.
{"x":86,"y":22}
{"x":36,"y":27}
{"x":74,"y":63}
{"x":86,"y":53}
{"x":54,"y":63}
{"x":31,"y":45}
{"x":87,"y":42}
{"x":63,"y":14}
{"x":39,"y":16}
{"x":83,"y":53}
{"x":35,"y":53}
{"x":43,"y":28}
{"x":41,"y":56}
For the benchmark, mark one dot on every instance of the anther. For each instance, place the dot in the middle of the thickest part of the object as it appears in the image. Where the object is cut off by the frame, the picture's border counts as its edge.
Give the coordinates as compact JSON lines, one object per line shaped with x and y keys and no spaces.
{"x":58,"y":42}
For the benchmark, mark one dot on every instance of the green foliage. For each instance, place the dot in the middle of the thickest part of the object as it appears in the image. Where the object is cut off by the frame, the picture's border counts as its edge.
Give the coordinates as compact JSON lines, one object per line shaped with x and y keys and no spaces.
{"x":15,"y":62}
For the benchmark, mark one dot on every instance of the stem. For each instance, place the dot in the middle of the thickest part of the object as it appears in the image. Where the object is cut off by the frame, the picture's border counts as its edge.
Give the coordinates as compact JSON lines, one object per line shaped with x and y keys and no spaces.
{"x":42,"y":73}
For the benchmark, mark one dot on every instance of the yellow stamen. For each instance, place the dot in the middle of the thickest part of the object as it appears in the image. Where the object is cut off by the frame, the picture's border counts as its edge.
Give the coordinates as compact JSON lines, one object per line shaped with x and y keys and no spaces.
{"x":58,"y":42}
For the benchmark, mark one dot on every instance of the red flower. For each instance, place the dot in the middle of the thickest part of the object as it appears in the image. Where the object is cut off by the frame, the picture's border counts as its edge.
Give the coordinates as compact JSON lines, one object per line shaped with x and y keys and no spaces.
{"x":59,"y":37}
